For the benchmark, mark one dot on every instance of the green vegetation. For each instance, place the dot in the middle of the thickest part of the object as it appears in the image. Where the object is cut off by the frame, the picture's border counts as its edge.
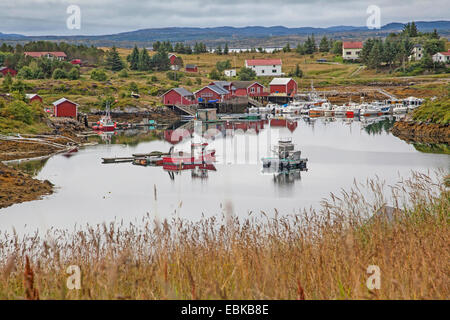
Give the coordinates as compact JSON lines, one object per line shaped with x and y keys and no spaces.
{"x":98,"y":75}
{"x":435,"y":111}
{"x":246,"y":74}
{"x":18,"y":116}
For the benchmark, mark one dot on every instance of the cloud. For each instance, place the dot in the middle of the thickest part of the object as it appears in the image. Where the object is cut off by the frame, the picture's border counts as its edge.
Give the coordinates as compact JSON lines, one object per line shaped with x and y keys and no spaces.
{"x":39,"y":17}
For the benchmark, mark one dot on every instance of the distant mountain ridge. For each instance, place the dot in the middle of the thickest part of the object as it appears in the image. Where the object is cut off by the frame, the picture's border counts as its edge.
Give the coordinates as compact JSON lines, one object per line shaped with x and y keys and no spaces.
{"x":227,"y":33}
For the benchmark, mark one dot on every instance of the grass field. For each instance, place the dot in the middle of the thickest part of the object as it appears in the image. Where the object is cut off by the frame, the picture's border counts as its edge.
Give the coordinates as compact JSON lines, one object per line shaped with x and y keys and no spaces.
{"x":313,"y":255}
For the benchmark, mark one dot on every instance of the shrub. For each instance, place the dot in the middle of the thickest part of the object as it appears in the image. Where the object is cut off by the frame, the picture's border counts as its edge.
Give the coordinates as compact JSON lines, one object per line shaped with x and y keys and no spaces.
{"x":133,"y":87}
{"x":25,"y":73}
{"x":59,"y":74}
{"x":74,"y":74}
{"x":173,"y":75}
{"x":20,"y":111}
{"x":123,"y":73}
{"x":247,"y":74}
{"x":98,"y":75}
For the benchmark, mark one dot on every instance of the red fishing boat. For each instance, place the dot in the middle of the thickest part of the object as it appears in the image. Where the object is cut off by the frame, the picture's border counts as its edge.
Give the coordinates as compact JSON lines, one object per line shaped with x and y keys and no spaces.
{"x":105,"y":123}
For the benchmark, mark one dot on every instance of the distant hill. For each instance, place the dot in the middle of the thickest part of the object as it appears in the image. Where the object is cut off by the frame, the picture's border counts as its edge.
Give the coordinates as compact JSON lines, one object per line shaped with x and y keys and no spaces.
{"x":233,"y":35}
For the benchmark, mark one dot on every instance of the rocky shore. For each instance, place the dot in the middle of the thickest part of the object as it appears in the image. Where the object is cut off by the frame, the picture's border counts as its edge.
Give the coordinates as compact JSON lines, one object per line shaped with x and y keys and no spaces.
{"x":17,"y":187}
{"x":422,"y":132}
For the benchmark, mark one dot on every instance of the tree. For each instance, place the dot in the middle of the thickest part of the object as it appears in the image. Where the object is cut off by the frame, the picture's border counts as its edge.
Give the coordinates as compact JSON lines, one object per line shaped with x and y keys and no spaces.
{"x":59,"y":74}
{"x":123,"y":73}
{"x":133,"y":58}
{"x":226,"y":50}
{"x":247,"y":74}
{"x":337,"y":47}
{"x":427,"y":62}
{"x":324,"y":45}
{"x":133,"y":87}
{"x":300,"y":49}
{"x":222,"y":65}
{"x":434,"y":34}
{"x":25,"y":73}
{"x":433,"y":46}
{"x":98,"y":75}
{"x":287,"y":48}
{"x":298,"y":72}
{"x":7,"y":82}
{"x":74,"y":73}
{"x":214,"y":74}
{"x":113,"y":60}
{"x":144,"y":62}
{"x":310,"y":45}
{"x":160,"y":61}
{"x":375,"y":56}
{"x":219,"y":49}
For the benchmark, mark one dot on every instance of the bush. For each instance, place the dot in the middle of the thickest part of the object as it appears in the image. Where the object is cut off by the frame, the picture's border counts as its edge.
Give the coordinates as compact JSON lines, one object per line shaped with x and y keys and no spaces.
{"x":133,"y":87}
{"x":173,"y":75}
{"x":20,"y":111}
{"x":123,"y":73}
{"x":198,"y":81}
{"x":74,"y":74}
{"x":59,"y":74}
{"x":153,"y":91}
{"x":98,"y":75}
{"x":247,"y":74}
{"x":25,"y":73}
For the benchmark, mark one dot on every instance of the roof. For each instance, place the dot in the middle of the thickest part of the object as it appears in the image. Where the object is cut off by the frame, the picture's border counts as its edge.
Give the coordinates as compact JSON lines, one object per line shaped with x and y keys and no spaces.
{"x":280,"y":81}
{"x":447,"y":53}
{"x":191,"y":66}
{"x":58,"y":102}
{"x":31,"y":95}
{"x":5,"y":68}
{"x":181,"y":91}
{"x":263,"y":62}
{"x":352,"y":45}
{"x":37,"y":54}
{"x":215,"y":88}
{"x":244,"y":84}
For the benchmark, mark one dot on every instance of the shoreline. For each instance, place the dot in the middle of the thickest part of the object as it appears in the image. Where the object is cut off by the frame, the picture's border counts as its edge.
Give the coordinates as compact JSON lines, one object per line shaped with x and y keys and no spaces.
{"x":420,"y":132}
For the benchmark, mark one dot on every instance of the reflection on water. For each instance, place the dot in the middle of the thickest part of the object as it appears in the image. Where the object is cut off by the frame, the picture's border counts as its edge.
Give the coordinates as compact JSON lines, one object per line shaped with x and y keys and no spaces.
{"x":339,"y":151}
{"x":441,"y":148}
{"x":32,"y":167}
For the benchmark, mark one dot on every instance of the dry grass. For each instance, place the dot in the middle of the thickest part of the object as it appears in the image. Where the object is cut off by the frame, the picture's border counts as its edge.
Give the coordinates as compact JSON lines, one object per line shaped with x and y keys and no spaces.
{"x":313,"y":255}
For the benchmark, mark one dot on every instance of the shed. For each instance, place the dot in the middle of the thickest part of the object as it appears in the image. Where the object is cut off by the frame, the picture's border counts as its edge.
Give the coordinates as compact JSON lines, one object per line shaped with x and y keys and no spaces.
{"x":178,"y":96}
{"x":191,"y":68}
{"x":6,"y":70}
{"x":283,"y":86}
{"x":31,"y":97}
{"x":65,"y":108}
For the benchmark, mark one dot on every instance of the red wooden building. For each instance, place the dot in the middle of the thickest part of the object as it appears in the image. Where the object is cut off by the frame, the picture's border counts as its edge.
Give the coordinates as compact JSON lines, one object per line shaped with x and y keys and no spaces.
{"x":178,"y":96}
{"x":31,"y":97}
{"x":76,"y":62}
{"x":283,"y":86}
{"x":65,"y":108}
{"x":6,"y":70}
{"x":191,"y":68}
{"x":212,"y":93}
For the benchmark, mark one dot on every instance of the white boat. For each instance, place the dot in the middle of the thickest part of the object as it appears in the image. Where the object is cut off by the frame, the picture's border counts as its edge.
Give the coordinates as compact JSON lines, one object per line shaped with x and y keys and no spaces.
{"x":400,"y":108}
{"x":340,"y":111}
{"x":368,"y":110}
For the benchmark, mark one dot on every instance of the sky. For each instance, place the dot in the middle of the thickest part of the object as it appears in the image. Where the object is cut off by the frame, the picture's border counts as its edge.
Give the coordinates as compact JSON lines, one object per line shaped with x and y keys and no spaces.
{"x":49,"y":17}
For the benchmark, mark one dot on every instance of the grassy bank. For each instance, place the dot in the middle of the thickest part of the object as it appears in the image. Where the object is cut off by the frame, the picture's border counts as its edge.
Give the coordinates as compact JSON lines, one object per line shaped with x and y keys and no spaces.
{"x":435,"y":111}
{"x":314,"y":255}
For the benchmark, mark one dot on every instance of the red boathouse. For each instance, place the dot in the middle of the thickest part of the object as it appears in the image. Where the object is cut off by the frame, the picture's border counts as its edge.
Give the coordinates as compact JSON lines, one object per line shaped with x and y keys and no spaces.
{"x":65,"y":108}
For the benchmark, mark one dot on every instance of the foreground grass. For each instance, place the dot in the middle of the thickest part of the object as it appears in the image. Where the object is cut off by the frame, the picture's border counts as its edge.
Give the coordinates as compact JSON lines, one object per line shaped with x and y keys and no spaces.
{"x":314,"y":255}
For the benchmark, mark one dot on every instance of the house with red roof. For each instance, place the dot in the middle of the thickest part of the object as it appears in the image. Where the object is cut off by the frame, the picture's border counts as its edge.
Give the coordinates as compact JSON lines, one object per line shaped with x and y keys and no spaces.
{"x":265,"y":67}
{"x":47,"y":54}
{"x":351,"y":50}
{"x":443,"y":57}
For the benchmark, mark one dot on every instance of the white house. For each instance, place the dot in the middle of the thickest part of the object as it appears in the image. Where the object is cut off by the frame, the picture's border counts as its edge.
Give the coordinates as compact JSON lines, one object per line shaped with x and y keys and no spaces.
{"x":351,"y":50}
{"x":442,"y":57}
{"x":230,"y":73}
{"x":417,"y":53}
{"x":265,"y":67}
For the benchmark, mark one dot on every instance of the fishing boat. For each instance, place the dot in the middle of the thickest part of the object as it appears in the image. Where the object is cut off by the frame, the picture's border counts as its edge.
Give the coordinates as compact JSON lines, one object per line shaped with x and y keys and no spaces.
{"x":286,"y":157}
{"x":182,"y":158}
{"x":105,"y":123}
{"x":340,"y":111}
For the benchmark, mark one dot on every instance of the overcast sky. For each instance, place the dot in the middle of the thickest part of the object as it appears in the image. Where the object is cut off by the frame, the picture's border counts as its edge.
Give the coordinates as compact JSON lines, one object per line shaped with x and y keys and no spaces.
{"x":48,"y":17}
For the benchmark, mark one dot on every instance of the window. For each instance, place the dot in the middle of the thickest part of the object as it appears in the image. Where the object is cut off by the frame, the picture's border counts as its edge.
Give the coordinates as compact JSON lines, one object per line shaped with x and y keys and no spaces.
{"x":348,"y":53}
{"x":274,"y":70}
{"x":252,"y":89}
{"x":262,"y":71}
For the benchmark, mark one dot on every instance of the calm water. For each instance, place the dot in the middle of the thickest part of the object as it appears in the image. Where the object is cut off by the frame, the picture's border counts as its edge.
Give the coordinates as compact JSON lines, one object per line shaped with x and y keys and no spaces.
{"x":338,"y":151}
